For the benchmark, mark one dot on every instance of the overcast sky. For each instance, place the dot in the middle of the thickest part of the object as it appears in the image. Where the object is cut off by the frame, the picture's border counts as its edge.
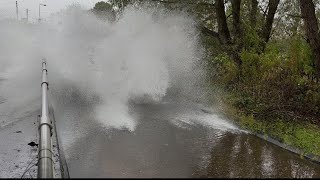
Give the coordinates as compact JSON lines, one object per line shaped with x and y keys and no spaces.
{"x":8,"y":7}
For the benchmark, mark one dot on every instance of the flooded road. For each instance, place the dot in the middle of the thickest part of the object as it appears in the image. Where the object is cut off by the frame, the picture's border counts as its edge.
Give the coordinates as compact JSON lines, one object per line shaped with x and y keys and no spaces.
{"x":96,"y":70}
{"x":173,"y":140}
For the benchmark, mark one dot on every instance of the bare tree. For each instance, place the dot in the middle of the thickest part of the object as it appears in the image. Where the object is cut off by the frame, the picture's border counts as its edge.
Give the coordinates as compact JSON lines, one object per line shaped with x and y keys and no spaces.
{"x":253,"y":12}
{"x":236,"y":17}
{"x":312,"y":31}
{"x":223,"y":29}
{"x":266,"y":31}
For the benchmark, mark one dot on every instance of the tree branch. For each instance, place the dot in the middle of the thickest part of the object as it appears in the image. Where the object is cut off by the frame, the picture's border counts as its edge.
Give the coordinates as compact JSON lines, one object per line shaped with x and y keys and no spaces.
{"x":178,"y":1}
{"x":207,"y":31}
{"x":295,"y":16}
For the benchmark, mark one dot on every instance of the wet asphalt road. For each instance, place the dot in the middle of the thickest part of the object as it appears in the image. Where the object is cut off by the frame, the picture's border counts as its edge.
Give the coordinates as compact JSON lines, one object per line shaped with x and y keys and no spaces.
{"x":171,"y":140}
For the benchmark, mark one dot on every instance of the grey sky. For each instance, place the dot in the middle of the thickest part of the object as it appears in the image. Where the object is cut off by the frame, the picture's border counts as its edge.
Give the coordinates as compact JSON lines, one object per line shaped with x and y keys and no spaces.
{"x":8,"y":7}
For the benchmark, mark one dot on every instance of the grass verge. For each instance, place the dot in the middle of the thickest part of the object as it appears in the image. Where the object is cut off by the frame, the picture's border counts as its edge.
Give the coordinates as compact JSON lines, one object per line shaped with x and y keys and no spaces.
{"x":301,"y":135}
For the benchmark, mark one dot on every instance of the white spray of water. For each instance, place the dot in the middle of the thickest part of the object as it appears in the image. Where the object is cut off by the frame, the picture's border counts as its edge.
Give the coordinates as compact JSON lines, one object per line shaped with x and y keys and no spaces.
{"x":19,"y":84}
{"x":144,"y":53}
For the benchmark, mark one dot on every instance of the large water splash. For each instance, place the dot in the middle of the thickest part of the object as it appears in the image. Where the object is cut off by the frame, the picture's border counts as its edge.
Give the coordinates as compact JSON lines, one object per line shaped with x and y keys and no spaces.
{"x":143,"y":54}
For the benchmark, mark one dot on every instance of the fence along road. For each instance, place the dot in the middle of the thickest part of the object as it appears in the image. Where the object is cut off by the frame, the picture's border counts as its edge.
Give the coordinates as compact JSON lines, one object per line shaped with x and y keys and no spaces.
{"x":45,"y":162}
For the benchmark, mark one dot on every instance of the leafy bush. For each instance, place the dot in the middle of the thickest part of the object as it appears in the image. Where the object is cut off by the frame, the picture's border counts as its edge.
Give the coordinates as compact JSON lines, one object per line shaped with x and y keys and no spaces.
{"x":277,"y":84}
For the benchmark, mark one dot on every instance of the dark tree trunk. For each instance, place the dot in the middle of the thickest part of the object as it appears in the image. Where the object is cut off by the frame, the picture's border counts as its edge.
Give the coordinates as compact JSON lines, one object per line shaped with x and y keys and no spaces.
{"x":253,"y":13}
{"x":237,"y":33}
{"x":223,"y":29}
{"x":236,"y":18}
{"x":312,"y":31}
{"x":272,"y":8}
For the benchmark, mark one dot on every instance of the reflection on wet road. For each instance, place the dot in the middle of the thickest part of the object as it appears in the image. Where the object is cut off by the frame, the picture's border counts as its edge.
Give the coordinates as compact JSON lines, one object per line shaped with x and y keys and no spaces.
{"x":173,"y":140}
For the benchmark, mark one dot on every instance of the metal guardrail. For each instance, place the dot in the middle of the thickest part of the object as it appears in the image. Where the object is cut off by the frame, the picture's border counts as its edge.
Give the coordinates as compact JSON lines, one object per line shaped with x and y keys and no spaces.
{"x":45,"y":162}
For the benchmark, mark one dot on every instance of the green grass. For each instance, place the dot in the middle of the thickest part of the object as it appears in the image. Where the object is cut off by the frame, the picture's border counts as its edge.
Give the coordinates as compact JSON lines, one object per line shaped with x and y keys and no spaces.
{"x":276,"y":94}
{"x":302,"y":135}
{"x":299,"y":134}
{"x":305,"y":137}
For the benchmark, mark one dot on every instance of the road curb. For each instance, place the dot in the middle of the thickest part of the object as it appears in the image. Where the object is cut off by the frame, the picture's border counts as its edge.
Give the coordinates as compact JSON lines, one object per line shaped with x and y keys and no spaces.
{"x":60,"y":161}
{"x":309,"y":156}
{"x":312,"y":157}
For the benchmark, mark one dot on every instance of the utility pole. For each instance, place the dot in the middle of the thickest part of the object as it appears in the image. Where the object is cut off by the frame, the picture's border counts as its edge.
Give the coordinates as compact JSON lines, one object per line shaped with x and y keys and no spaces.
{"x":39,"y":10}
{"x":27,"y":10}
{"x":17,"y":10}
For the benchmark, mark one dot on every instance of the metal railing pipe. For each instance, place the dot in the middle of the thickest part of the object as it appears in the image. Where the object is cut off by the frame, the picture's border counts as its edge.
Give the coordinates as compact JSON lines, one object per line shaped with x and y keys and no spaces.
{"x":45,"y":162}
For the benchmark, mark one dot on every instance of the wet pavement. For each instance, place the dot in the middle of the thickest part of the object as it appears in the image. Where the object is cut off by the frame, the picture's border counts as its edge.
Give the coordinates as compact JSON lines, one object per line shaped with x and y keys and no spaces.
{"x":171,"y":140}
{"x":19,"y":144}
{"x":16,"y":156}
